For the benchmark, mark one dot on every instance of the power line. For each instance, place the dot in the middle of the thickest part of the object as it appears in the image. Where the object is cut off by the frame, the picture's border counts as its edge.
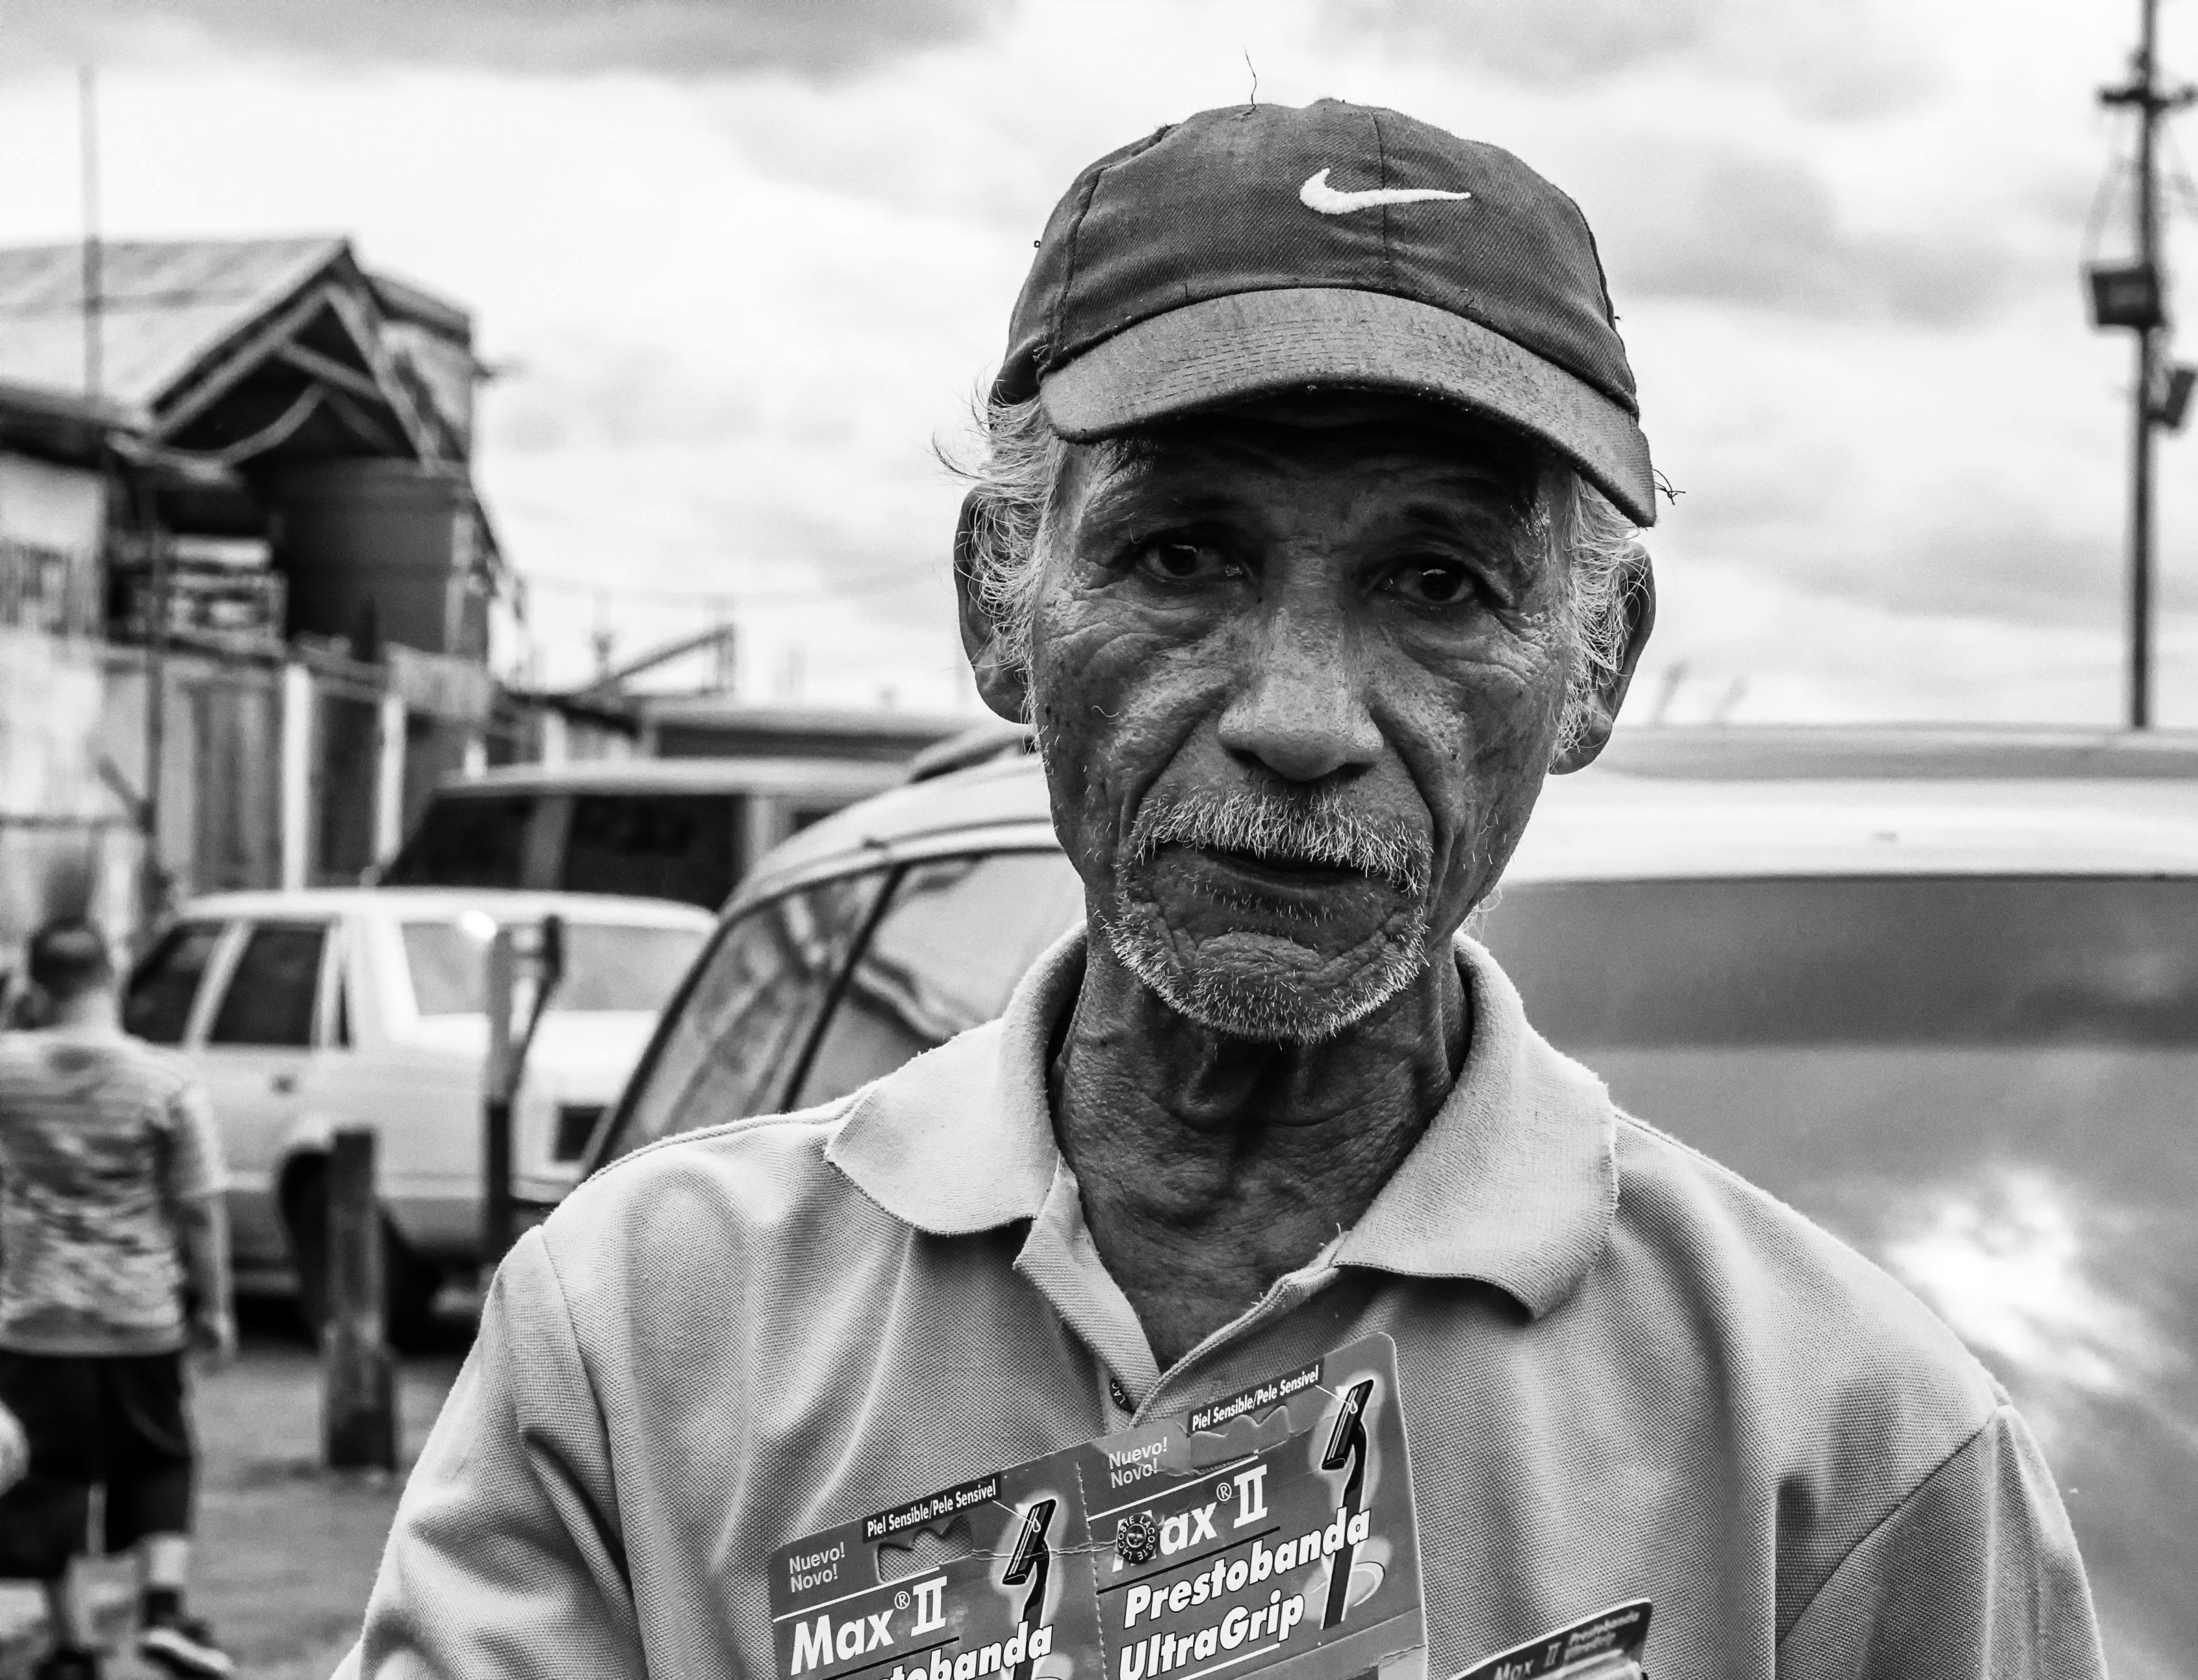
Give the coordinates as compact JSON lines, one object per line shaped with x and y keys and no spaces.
{"x":2185,"y":188}
{"x":875,"y":583}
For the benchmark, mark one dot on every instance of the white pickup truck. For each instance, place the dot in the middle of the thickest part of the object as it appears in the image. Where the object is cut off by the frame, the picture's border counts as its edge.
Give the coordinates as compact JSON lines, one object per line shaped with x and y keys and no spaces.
{"x":309,"y":1011}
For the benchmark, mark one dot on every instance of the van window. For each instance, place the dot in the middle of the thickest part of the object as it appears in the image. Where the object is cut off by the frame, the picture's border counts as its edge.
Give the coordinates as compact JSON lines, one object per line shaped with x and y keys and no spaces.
{"x":473,"y":840}
{"x":729,"y":1047}
{"x":954,"y":940}
{"x":654,"y":845}
{"x":1855,"y":960}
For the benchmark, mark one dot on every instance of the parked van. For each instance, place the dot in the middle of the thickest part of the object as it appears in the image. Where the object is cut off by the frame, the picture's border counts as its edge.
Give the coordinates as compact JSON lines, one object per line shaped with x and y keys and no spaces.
{"x":1936,"y":989}
{"x":679,"y":828}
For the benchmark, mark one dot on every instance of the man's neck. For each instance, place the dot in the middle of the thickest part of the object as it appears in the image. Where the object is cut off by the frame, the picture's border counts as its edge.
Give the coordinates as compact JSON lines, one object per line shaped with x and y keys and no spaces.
{"x":1210,"y":1165}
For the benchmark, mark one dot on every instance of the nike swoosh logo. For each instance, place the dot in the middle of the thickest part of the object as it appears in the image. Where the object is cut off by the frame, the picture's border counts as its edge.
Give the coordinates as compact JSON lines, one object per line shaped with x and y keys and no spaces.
{"x":1317,"y":195}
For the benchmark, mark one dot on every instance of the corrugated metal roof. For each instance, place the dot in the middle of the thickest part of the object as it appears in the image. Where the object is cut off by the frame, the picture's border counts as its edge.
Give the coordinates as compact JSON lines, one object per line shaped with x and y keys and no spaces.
{"x":166,"y":304}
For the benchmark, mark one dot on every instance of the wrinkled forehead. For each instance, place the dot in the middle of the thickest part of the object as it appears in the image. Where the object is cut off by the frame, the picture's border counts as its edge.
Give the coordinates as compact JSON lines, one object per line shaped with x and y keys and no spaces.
{"x":1379,"y":441}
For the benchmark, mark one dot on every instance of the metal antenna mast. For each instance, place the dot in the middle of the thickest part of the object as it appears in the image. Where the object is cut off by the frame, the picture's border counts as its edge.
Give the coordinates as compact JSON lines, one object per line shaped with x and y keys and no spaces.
{"x":2135,"y":295}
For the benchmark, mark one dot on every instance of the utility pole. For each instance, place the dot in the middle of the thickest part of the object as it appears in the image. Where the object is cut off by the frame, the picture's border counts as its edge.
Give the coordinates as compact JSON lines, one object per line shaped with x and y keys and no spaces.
{"x":2134,"y":296}
{"x":94,"y":285}
{"x":153,"y":883}
{"x":144,"y":508}
{"x":600,"y":639}
{"x":725,"y":662}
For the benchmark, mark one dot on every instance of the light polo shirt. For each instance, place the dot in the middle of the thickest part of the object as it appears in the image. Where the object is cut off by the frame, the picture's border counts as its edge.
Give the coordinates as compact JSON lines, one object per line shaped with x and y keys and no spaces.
{"x":1625,"y":1373}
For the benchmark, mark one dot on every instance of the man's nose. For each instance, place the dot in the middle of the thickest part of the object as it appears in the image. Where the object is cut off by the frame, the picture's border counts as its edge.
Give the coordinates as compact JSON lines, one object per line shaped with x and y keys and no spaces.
{"x":1299,"y":712}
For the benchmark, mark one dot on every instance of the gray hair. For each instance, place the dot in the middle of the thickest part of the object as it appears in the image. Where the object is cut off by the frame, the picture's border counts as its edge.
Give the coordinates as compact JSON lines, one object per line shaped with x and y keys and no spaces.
{"x":1018,"y":471}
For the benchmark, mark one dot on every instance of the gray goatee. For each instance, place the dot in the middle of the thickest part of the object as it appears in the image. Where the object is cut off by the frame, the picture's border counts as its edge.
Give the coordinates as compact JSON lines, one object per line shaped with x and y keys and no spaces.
{"x":1274,"y":1006}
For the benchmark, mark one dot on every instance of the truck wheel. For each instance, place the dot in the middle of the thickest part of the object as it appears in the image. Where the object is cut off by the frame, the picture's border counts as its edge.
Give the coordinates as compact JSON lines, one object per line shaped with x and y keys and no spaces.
{"x":409,"y":1283}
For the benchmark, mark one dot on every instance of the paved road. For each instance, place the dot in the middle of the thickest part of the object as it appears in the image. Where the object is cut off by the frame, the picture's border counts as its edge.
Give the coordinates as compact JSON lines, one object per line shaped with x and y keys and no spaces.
{"x":287,"y":1552}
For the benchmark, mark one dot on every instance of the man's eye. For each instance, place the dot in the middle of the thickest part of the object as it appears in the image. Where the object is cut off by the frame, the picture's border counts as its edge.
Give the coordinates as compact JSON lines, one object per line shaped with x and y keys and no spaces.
{"x":1179,"y":562}
{"x":1433,"y":582}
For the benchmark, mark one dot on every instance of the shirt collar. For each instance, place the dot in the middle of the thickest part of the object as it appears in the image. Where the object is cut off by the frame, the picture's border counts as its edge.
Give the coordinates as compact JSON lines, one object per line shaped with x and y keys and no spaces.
{"x":1515,"y":1182}
{"x":961,"y":1139}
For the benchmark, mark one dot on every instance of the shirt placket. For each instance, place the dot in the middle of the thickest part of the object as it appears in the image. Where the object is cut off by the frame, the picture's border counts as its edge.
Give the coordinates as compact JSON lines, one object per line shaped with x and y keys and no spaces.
{"x":1178,"y":1389}
{"x":1062,"y":1262}
{"x":1061,"y":1259}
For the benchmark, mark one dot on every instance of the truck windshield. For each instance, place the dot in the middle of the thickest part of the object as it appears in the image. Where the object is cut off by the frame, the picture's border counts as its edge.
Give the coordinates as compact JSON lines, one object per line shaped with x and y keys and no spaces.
{"x":608,"y":968}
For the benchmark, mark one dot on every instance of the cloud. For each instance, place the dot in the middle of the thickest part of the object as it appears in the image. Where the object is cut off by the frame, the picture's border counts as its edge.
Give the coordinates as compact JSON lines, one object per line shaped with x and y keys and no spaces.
{"x":1696,"y":220}
{"x":740,"y":306}
{"x":2006,"y":562}
{"x":1549,"y":40}
{"x":578,"y":387}
{"x":678,"y":38}
{"x":1741,"y":641}
{"x":1838,"y":60}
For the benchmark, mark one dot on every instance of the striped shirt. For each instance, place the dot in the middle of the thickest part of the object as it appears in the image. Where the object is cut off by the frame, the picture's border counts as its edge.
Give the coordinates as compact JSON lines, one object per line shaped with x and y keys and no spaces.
{"x":100,"y":1139}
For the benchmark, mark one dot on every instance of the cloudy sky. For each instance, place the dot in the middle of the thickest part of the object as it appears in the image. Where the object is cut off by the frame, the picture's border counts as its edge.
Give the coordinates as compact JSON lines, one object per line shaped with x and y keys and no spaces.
{"x":741,"y":261}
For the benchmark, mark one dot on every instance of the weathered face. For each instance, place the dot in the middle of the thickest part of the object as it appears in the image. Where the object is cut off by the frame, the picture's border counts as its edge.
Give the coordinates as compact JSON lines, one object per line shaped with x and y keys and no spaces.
{"x":1297,"y":672}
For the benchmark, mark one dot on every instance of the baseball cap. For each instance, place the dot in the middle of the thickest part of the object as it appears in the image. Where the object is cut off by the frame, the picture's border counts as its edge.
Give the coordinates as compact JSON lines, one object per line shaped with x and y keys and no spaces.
{"x":1258,"y":249}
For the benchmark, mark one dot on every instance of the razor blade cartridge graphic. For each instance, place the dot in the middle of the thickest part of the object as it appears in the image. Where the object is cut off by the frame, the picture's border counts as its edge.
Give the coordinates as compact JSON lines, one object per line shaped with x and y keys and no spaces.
{"x":1346,"y":1445}
{"x":1030,"y":1552}
{"x":1030,"y":1559}
{"x":1349,"y":1435}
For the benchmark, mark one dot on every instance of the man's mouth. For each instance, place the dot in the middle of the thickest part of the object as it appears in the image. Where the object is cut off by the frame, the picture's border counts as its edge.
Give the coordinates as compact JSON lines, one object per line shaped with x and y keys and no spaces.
{"x":1274,"y":871}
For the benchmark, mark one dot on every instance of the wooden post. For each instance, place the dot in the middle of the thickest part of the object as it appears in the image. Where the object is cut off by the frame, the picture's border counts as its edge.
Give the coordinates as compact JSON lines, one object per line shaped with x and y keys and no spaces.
{"x":359,"y":1411}
{"x":296,"y":761}
{"x":389,"y":777}
{"x":557,"y":737}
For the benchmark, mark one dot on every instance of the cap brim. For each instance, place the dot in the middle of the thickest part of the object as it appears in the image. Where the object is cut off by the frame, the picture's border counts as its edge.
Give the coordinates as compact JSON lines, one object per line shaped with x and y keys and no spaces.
{"x":1256,"y":344}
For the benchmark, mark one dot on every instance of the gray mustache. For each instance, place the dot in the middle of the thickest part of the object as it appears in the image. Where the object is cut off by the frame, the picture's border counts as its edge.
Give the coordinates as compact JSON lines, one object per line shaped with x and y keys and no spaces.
{"x":1319,"y":829}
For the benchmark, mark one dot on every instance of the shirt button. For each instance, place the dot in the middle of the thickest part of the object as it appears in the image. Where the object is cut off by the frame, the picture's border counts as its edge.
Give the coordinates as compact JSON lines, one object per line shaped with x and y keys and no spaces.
{"x":1118,"y":1394}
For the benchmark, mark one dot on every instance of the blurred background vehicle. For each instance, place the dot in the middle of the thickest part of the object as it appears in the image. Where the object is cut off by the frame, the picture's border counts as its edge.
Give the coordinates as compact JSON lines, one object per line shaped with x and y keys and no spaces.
{"x":306,"y":1011}
{"x":1938,"y":990}
{"x":679,"y":828}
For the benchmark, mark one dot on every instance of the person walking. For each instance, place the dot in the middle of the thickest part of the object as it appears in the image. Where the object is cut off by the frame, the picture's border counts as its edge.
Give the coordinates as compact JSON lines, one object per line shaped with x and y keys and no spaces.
{"x":114,"y":1262}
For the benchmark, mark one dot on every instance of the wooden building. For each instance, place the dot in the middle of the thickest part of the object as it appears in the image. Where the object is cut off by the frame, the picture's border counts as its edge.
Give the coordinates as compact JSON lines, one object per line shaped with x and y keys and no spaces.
{"x":245,"y":576}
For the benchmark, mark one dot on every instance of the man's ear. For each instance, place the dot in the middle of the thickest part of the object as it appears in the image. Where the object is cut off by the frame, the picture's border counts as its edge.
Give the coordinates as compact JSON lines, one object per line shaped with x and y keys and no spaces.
{"x":1002,"y":682}
{"x":1608,"y":694}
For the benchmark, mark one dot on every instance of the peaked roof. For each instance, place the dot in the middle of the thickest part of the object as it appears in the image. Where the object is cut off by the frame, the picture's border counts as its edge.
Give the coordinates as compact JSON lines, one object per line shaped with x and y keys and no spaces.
{"x":168,"y":307}
{"x":225,"y":353}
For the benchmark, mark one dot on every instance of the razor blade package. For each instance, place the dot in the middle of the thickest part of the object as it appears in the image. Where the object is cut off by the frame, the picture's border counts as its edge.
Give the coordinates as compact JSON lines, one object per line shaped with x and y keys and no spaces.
{"x":1605,"y":1646}
{"x":1270,"y":1532}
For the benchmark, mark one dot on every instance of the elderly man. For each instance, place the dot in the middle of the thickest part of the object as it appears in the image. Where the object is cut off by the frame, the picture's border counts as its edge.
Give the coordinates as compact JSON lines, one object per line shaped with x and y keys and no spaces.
{"x":1305,"y":540}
